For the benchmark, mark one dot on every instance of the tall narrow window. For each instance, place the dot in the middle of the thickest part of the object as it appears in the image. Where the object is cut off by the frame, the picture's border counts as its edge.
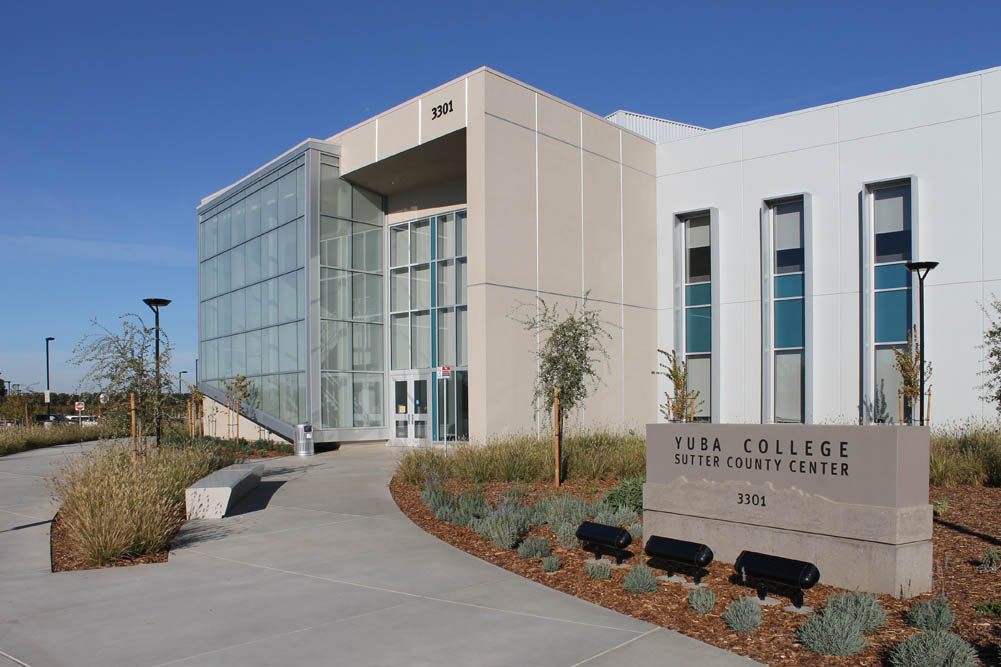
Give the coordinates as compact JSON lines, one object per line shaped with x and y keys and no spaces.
{"x":787,"y":309}
{"x":698,"y":312}
{"x":891,"y":248}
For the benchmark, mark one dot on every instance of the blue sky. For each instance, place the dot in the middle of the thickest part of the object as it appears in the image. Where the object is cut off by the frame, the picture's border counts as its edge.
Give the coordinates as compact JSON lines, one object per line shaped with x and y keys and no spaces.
{"x":116,"y":118}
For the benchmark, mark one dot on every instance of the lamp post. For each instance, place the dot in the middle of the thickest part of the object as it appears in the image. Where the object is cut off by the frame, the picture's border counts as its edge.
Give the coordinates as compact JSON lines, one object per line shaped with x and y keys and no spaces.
{"x":921,"y":269}
{"x":179,"y":381}
{"x":48,"y":404}
{"x":155,"y":305}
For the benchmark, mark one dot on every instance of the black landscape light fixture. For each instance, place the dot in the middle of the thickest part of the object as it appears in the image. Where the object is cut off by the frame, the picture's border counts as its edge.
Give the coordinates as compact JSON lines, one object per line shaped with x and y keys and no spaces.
{"x":598,"y":538}
{"x":179,"y":381}
{"x":921,"y":269}
{"x":48,"y":397}
{"x":765,"y":569}
{"x":155,"y":305}
{"x":668,"y":554}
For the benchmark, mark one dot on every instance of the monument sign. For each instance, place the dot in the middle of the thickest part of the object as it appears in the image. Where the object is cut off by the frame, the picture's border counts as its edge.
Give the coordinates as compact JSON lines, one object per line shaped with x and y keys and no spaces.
{"x":853,"y":500}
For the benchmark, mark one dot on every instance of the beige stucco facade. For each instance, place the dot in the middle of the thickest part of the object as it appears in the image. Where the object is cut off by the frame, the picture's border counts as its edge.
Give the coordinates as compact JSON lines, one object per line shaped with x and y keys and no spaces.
{"x":561,"y":204}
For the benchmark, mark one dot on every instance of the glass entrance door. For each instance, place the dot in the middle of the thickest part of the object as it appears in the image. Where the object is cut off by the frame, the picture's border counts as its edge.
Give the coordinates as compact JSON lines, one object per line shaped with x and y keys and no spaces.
{"x":411,"y":408}
{"x":452,"y":407}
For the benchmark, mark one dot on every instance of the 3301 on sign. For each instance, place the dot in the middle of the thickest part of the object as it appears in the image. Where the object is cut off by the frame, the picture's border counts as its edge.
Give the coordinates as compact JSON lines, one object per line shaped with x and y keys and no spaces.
{"x":750,"y":499}
{"x":441,"y":110}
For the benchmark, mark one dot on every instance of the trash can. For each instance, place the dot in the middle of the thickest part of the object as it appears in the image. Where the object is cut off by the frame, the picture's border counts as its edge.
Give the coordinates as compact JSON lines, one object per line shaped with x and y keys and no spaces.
{"x":304,"y":440}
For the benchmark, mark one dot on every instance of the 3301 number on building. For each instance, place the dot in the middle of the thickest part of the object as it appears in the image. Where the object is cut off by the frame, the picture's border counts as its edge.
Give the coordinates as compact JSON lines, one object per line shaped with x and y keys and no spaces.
{"x":441,"y":110}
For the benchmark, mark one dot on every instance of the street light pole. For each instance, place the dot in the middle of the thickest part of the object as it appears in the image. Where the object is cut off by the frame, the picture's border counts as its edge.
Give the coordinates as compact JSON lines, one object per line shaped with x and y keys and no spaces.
{"x":155,"y":305}
{"x":921,"y":269}
{"x":179,"y":381}
{"x":48,"y":396}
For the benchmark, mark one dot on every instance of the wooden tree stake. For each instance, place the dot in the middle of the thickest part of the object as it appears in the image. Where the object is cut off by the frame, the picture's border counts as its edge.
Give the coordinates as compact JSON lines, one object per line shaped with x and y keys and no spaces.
{"x":132,"y":411}
{"x":558,"y":435}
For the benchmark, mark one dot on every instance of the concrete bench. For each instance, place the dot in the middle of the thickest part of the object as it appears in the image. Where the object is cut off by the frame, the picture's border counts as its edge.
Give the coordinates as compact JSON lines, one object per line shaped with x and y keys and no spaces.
{"x":213,"y":496}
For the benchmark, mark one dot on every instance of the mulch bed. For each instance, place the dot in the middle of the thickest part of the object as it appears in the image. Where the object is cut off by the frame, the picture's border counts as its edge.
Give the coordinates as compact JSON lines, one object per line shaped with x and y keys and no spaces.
{"x":970,"y":525}
{"x":65,"y":558}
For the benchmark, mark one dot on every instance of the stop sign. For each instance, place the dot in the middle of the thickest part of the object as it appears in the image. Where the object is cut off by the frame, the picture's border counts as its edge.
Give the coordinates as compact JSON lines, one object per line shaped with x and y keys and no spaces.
{"x":78,"y":406}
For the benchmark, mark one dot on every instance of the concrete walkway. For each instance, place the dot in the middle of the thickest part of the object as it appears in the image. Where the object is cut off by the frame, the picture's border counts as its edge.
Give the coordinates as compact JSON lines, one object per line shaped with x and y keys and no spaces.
{"x":317,"y":567}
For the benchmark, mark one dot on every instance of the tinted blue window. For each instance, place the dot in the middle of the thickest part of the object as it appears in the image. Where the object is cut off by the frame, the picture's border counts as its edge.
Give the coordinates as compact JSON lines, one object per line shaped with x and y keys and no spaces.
{"x":698,"y":295}
{"x":786,"y":286}
{"x":893,"y":275}
{"x":698,"y":329}
{"x":789,"y":323}
{"x":893,"y":316}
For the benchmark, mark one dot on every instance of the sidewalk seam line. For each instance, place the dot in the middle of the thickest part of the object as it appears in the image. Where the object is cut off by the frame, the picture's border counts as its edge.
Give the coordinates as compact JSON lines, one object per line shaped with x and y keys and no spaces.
{"x":13,"y":659}
{"x":607,"y":651}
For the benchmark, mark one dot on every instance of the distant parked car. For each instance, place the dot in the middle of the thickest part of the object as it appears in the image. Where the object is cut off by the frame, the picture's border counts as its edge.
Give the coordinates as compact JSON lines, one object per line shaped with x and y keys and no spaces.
{"x":49,"y":420}
{"x":83,"y":420}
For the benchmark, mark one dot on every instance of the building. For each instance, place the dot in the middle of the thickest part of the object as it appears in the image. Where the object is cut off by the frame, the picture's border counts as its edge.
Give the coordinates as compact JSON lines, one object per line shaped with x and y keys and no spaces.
{"x":370,"y":283}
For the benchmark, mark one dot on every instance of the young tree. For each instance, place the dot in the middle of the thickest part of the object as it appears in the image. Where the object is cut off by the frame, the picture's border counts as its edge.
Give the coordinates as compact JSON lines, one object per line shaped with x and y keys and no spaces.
{"x":238,"y":392}
{"x":680,"y":403}
{"x":907,"y":362}
{"x":992,"y":348}
{"x":569,"y":354}
{"x":123,"y":362}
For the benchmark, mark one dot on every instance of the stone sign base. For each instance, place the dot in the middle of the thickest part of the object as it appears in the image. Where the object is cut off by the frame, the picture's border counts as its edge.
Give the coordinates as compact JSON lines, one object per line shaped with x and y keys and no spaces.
{"x":902,"y":570}
{"x":852,"y":500}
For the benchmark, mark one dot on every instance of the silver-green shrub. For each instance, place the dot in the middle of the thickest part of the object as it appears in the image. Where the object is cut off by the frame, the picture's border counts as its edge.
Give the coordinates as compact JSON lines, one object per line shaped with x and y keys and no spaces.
{"x":566,"y":535}
{"x":640,"y":579}
{"x":933,"y":649}
{"x":599,"y":569}
{"x":702,"y":600}
{"x":743,"y":616}
{"x":551,"y":564}
{"x":615,"y":517}
{"x":561,"y":509}
{"x":864,"y":608}
{"x":835,"y":631}
{"x":468,"y":507}
{"x":445,"y":513}
{"x":436,"y":497}
{"x":931,"y":615}
{"x":534,"y":547}
{"x":990,"y":560}
{"x":636,"y":530}
{"x":504,"y":526}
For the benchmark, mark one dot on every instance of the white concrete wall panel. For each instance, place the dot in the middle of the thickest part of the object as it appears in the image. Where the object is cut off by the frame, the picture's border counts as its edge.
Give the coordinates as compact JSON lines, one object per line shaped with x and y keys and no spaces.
{"x":911,"y":107}
{"x":945,"y":159}
{"x":932,"y":132}
{"x":791,"y":132}
{"x":991,"y":190}
{"x":991,"y":91}
{"x":707,"y":150}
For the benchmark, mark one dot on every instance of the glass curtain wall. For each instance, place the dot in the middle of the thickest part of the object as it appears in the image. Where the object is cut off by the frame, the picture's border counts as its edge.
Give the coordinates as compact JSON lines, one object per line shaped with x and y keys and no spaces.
{"x":698,"y":312}
{"x":252,"y":293}
{"x":427,"y":296}
{"x":787,"y":309}
{"x":891,"y":210}
{"x":352,"y":372}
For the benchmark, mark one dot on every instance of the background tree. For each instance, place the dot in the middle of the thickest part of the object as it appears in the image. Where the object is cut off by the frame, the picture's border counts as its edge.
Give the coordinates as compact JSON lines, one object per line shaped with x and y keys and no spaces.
{"x":992,"y":348}
{"x":123,"y":362}
{"x":680,"y":402}
{"x":571,"y":348}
